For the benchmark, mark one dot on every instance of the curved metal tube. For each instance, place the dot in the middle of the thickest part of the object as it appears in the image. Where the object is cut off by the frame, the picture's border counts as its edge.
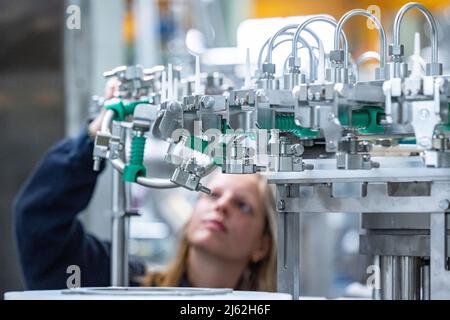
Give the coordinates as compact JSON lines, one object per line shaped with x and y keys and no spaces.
{"x":328,"y":20}
{"x":283,"y":31}
{"x":156,"y":183}
{"x":319,"y":42}
{"x":274,"y":37}
{"x":298,"y":48}
{"x":107,"y":121}
{"x":261,"y":51}
{"x":119,"y":165}
{"x":303,"y":42}
{"x":375,"y":20}
{"x":431,"y":22}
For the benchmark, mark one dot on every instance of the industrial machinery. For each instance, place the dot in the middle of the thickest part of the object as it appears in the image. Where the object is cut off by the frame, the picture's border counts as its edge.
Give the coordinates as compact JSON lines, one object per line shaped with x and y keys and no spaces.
{"x":329,"y":142}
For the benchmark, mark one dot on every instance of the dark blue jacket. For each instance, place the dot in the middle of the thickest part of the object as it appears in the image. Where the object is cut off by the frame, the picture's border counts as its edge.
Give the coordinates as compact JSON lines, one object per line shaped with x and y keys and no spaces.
{"x":49,"y":235}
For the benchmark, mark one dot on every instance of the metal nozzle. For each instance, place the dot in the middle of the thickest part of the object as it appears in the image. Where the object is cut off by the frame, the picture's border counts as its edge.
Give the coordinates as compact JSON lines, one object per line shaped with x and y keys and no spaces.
{"x":203,"y":189}
{"x":97,"y":163}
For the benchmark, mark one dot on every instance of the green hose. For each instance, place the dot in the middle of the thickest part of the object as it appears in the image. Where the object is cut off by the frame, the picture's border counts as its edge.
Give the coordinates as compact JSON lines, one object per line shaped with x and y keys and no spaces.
{"x":136,"y":167}
{"x":121,"y":109}
{"x":286,"y":123}
{"x":367,"y":119}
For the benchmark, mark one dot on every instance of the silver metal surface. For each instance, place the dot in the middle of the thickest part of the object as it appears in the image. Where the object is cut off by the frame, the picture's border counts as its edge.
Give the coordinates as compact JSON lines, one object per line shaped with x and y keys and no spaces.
{"x":159,"y":291}
{"x":410,"y":283}
{"x":412,"y":169}
{"x":288,"y":253}
{"x":425,"y":282}
{"x":400,"y":278}
{"x":439,"y":273}
{"x":377,"y":200}
{"x":384,"y":243}
{"x":119,"y":233}
{"x":388,"y":270}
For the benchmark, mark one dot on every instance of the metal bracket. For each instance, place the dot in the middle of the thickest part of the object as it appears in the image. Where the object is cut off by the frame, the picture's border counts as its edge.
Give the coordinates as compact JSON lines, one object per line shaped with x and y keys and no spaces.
{"x":439,"y":273}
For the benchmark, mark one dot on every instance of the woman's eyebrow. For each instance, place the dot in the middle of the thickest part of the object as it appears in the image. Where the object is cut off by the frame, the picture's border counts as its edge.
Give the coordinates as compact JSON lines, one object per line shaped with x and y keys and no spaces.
{"x":243,"y":194}
{"x":243,"y":198}
{"x":216,"y":189}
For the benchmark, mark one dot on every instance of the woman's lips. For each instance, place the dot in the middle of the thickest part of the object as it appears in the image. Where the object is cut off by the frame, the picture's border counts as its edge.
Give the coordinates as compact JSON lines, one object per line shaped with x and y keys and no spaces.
{"x":215,"y":224}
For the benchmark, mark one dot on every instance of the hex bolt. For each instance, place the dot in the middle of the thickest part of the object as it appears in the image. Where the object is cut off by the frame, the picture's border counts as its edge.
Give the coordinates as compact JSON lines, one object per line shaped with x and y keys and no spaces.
{"x":297,"y":149}
{"x":204,"y":189}
{"x":268,"y":68}
{"x":337,"y":56}
{"x":444,"y":204}
{"x":375,"y":164}
{"x":365,"y":146}
{"x":199,"y":171}
{"x":207,"y":102}
{"x":308,"y":166}
{"x":384,"y":142}
{"x":294,"y":62}
{"x":280,"y":205}
{"x":396,"y":50}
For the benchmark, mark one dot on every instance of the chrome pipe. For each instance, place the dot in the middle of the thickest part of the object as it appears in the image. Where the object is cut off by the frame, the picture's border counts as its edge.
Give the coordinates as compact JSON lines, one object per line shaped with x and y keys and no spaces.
{"x":430,"y":19}
{"x":375,"y":20}
{"x":328,"y":20}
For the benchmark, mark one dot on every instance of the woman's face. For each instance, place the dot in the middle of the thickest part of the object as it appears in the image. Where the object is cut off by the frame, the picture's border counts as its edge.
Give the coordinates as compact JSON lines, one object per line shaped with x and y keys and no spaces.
{"x":230,"y":221}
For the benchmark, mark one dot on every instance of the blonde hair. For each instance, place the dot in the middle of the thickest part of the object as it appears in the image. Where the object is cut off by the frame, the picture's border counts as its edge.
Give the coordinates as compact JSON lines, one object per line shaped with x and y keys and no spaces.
{"x":259,"y":276}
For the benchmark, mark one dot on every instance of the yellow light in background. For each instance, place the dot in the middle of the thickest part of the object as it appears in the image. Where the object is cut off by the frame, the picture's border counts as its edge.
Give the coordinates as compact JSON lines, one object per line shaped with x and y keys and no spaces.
{"x":128,"y":23}
{"x":361,"y":37}
{"x":128,"y":32}
{"x":270,"y":8}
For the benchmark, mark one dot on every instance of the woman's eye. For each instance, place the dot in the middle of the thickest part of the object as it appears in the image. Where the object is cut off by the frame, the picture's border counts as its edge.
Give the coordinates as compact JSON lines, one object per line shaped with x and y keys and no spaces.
{"x":244,"y":207}
{"x":214,"y":195}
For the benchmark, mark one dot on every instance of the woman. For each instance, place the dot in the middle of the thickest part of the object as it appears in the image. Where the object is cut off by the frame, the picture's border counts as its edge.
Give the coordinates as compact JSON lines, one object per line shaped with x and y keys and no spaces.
{"x":228,"y":242}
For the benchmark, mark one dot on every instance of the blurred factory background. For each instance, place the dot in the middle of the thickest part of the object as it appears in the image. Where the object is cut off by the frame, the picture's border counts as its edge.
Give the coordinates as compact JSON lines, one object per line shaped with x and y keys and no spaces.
{"x":49,"y":72}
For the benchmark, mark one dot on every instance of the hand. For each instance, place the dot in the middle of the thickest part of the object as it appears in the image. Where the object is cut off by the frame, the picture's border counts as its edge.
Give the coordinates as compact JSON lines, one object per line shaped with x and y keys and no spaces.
{"x":111,"y":88}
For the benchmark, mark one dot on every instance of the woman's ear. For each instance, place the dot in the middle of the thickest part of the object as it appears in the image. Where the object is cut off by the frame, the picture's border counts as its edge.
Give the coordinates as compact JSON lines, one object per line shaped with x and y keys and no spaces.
{"x":262,"y":249}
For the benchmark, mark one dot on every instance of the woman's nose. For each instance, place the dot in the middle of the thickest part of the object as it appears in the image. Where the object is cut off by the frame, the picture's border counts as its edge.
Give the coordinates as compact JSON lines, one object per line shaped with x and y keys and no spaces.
{"x":223,"y":203}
